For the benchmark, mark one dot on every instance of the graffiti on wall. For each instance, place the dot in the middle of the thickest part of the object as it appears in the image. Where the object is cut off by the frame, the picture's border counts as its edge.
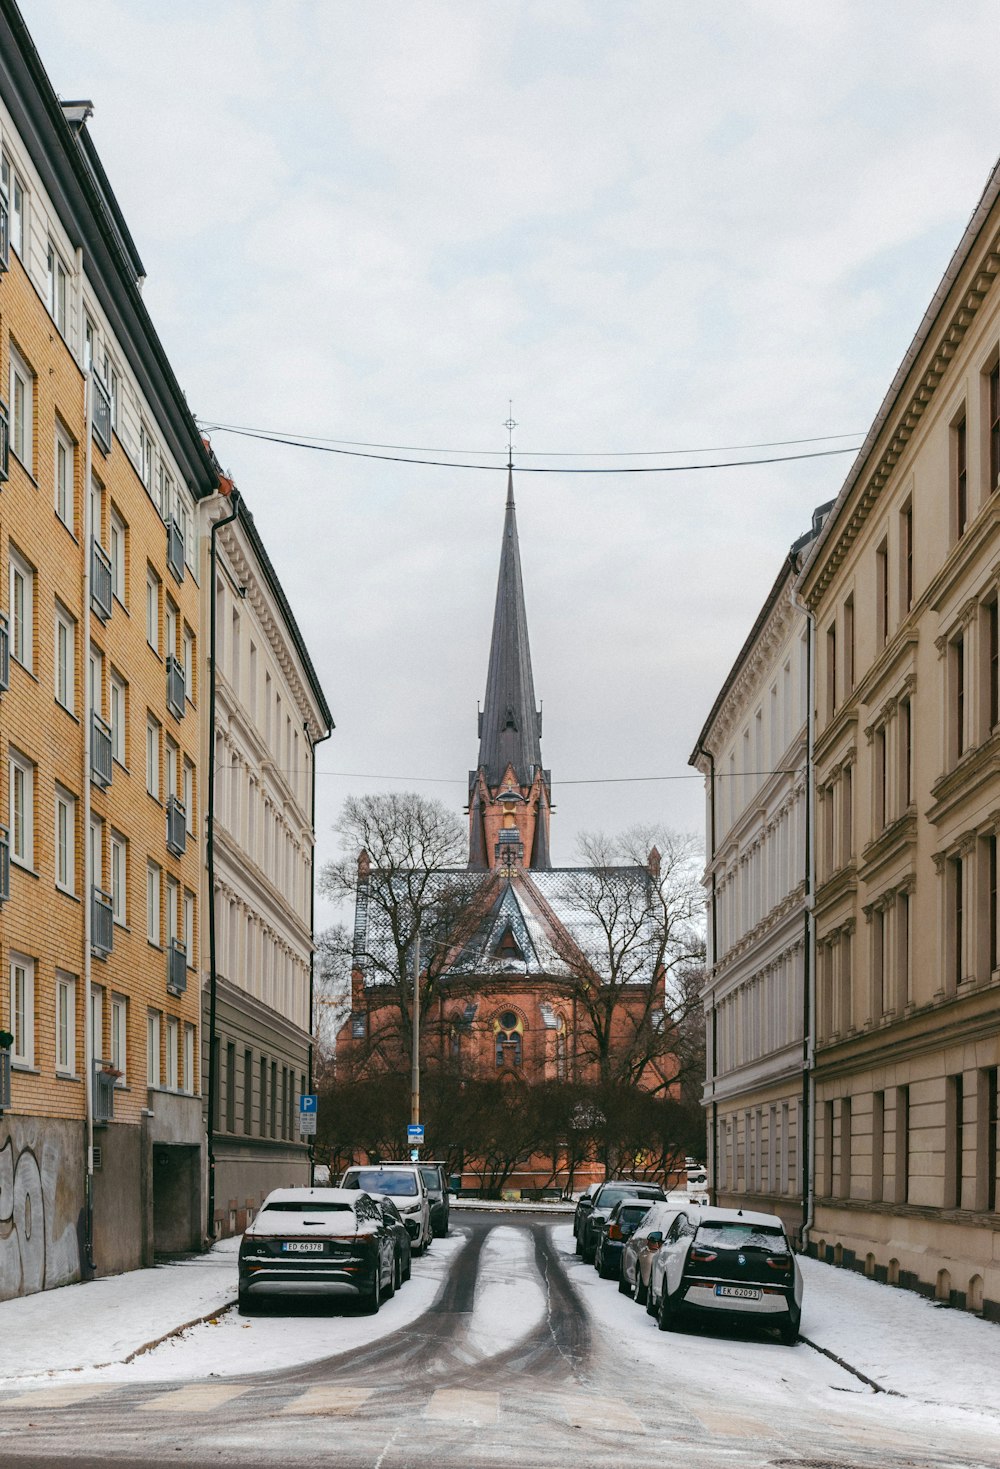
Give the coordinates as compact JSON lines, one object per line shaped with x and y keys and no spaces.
{"x":35,"y":1253}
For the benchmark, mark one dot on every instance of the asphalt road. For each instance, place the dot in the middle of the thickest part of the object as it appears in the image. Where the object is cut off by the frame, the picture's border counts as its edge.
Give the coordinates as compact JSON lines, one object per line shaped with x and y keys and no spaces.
{"x":427,"y":1395}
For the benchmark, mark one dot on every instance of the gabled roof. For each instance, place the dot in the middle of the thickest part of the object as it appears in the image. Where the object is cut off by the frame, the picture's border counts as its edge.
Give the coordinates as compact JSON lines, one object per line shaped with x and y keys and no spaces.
{"x":510,"y":726}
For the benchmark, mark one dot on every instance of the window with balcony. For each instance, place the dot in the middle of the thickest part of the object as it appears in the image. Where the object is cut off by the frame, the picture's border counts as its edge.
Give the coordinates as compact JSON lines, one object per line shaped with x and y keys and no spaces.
{"x":175,"y":686}
{"x":21,"y":406}
{"x":175,"y":549}
{"x":103,"y":414}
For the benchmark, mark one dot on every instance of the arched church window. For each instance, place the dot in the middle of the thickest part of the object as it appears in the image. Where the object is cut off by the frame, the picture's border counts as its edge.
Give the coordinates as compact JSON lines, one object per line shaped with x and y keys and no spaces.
{"x":561,"y":1050}
{"x":508,"y":1029}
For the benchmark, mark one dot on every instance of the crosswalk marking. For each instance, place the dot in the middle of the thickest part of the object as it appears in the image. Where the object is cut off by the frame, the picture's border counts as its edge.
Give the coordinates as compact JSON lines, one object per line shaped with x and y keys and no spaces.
{"x":732,"y":1425}
{"x":197,"y":1397}
{"x":329,"y":1400}
{"x":453,"y":1405}
{"x":63,"y":1396}
{"x":601,"y":1413}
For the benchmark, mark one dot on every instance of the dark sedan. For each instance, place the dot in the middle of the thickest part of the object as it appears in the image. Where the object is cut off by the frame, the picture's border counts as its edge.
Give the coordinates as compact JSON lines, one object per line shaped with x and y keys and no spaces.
{"x":604,"y":1200}
{"x":396,"y":1225}
{"x":317,"y":1241}
{"x":622,"y":1222}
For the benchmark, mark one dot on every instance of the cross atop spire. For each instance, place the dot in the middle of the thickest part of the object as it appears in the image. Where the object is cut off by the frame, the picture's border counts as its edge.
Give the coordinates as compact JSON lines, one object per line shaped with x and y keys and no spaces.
{"x":510,"y":424}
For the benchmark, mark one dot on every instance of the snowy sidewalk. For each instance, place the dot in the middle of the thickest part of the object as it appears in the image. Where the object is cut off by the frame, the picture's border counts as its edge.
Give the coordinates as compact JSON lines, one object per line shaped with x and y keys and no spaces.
{"x":107,"y":1320}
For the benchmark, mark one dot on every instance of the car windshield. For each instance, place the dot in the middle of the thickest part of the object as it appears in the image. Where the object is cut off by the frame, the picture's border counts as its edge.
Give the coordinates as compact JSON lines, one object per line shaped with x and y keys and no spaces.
{"x":431,"y":1177}
{"x":307,"y":1206}
{"x":632,"y":1213}
{"x":400,"y":1185}
{"x":737,"y":1235}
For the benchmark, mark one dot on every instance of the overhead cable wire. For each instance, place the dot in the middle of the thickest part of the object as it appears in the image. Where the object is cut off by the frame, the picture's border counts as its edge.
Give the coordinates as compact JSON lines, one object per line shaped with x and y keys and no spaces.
{"x":601,"y":780}
{"x":533,"y":468}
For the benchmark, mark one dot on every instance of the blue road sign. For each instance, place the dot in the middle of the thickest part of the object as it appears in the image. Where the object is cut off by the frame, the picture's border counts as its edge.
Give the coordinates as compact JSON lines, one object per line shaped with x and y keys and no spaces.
{"x":307,"y":1102}
{"x":415,"y":1132}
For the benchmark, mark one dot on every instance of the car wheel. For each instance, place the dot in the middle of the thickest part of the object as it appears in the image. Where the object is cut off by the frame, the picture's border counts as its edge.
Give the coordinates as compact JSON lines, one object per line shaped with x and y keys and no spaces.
{"x":245,"y":1305}
{"x":641,"y":1292}
{"x":373,"y":1299}
{"x":390,"y":1289}
{"x":605,"y":1270}
{"x":409,"y":1269}
{"x":789,"y":1330}
{"x":666,"y":1316}
{"x":624,"y":1284}
{"x":577,"y":1247}
{"x":651,"y":1305}
{"x":587,"y":1253}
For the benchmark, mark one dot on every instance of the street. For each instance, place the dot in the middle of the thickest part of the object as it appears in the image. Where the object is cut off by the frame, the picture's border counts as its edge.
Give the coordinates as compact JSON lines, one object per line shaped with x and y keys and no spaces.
{"x":504,"y":1347}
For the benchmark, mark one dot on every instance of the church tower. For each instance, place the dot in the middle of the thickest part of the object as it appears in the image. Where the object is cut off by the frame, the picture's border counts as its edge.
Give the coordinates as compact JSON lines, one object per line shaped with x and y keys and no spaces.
{"x":509,"y":792}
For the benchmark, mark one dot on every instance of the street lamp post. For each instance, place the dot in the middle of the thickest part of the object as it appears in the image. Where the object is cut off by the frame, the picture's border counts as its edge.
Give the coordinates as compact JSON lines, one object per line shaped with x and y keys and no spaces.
{"x":415,"y":1067}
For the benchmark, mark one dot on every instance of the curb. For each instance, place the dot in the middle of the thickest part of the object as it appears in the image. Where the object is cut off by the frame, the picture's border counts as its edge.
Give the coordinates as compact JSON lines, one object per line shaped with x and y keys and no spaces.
{"x":890,"y":1392}
{"x":174,"y":1331}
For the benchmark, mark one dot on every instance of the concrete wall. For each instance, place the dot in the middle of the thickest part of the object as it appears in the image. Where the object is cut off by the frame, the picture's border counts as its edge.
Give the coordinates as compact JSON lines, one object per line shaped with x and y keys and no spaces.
{"x":41,"y":1204}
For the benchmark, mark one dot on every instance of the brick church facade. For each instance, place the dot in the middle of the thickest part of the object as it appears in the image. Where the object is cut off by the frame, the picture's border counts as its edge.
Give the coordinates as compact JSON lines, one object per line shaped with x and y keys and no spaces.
{"x":521,"y":935}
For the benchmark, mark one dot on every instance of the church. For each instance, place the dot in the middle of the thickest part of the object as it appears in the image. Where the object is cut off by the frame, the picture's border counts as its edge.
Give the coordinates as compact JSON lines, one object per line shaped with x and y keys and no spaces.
{"x":520,"y":945}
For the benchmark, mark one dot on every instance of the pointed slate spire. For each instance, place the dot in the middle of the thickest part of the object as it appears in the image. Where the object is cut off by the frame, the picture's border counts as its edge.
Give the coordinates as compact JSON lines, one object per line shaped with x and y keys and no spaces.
{"x":510,"y":726}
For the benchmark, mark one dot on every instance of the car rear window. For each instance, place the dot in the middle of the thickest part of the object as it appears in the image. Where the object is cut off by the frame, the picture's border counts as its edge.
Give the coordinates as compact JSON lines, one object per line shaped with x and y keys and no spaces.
{"x":612,"y":1195}
{"x":735,"y":1235}
{"x":400,"y":1185}
{"x":634,"y":1212}
{"x":308,"y":1206}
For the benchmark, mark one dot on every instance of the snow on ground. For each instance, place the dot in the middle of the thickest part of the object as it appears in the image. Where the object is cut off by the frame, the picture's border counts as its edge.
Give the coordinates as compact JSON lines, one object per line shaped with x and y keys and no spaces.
{"x":510,"y":1296}
{"x":83,"y":1326}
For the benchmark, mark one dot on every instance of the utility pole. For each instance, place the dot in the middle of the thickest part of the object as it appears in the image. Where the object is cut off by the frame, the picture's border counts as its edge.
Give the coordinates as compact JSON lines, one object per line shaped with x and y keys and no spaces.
{"x":415,"y":1070}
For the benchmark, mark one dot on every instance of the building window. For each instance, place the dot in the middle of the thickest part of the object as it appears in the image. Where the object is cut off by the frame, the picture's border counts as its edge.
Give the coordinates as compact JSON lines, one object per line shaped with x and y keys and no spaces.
{"x":902,"y":1145}
{"x":65,"y":841}
{"x":146,"y":457}
{"x":16,"y":194}
{"x":153,"y":757}
{"x":247,"y":1091}
{"x":848,"y":645}
{"x":65,"y":468}
{"x":994,"y":426}
{"x":188,"y":930}
{"x":173,"y":1052}
{"x":118,"y":555}
{"x":171,"y":761}
{"x":153,"y":903}
{"x":189,"y":1076}
{"x":22,"y":610}
{"x":954,"y":1140}
{"x":880,"y":769}
{"x":173,"y":904}
{"x":831,"y":670}
{"x":65,"y":1023}
{"x":21,"y":791}
{"x":153,"y":1048}
{"x":152,"y":609}
{"x":118,"y":710}
{"x":97,"y":1021}
{"x":509,"y":1030}
{"x":65,"y":658}
{"x":119,"y":1037}
{"x":956,"y":921}
{"x":188,"y":797}
{"x":961,"y":472}
{"x":21,"y":405}
{"x":882,"y":594}
{"x":906,"y":556}
{"x":956,"y":669}
{"x":119,"y":878}
{"x":905,"y":755}
{"x":188,"y":659}
{"x":878,"y":1145}
{"x":22,"y":1010}
{"x":57,"y":282}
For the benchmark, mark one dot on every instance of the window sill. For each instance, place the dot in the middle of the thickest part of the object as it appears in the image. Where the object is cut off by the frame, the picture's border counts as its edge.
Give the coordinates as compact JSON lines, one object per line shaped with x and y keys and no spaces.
{"x":27,"y":1068}
{"x":67,"y":1076}
{"x":67,"y":893}
{"x":75,"y":718}
{"x":24,"y":867}
{"x":24,"y":667}
{"x":18,"y":460}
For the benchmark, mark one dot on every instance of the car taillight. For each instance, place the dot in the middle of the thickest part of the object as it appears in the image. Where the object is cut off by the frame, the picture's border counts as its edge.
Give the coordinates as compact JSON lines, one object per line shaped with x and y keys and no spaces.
{"x":701,"y":1256}
{"x":614,"y":1232}
{"x":782,"y":1263}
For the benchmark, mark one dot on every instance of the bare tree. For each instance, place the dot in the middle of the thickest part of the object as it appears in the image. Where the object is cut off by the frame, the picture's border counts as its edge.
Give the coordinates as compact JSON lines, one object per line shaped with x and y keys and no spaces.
{"x":637,"y":931}
{"x":402,"y":863}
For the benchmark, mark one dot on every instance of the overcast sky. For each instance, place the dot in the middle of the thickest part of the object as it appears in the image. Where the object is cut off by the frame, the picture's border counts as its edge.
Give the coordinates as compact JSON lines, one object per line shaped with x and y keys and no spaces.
{"x":652,"y":225}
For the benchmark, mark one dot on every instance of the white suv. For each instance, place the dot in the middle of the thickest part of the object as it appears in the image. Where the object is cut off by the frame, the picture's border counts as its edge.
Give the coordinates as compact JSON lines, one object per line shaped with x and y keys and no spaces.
{"x":404,"y":1184}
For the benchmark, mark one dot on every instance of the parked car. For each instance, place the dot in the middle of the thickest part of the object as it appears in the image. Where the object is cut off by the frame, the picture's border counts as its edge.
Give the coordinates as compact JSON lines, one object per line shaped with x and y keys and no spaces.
{"x":396,"y":1225}
{"x":405,"y":1184}
{"x":621,"y":1222}
{"x":584,"y":1204}
{"x":603,"y":1202}
{"x":435,"y":1178}
{"x":727,"y":1264}
{"x":639,"y":1249}
{"x":697,"y":1185}
{"x":317,"y":1241}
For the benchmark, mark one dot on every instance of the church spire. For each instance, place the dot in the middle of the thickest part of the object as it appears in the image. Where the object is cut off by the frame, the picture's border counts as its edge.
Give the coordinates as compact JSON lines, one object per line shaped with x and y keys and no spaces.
{"x":509,"y":799}
{"x":510,"y":726}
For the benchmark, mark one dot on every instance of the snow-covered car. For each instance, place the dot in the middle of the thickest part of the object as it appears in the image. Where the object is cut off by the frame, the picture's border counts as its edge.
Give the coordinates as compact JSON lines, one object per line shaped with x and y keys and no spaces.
{"x":727,"y":1264}
{"x":317,"y":1241}
{"x":639,"y":1249}
{"x":604,"y":1200}
{"x":404,"y":1183}
{"x":622,"y":1221}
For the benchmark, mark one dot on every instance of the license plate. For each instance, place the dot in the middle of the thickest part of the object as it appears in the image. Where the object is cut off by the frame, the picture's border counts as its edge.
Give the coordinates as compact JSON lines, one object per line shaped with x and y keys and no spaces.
{"x":303,"y":1247}
{"x":738,"y":1292}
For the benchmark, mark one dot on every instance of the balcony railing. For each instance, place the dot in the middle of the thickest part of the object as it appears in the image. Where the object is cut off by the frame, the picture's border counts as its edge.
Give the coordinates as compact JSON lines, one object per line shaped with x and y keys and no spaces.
{"x":100,"y":580}
{"x":102,"y":923}
{"x":175,"y":549}
{"x":102,"y":414}
{"x":175,"y":686}
{"x":4,"y":442}
{"x":176,"y":826}
{"x":100,"y":751}
{"x":177,"y":974}
{"x":4,"y":865}
{"x":4,"y":652}
{"x":105,"y":1076}
{"x":4,"y":232}
{"x":4,"y":1078}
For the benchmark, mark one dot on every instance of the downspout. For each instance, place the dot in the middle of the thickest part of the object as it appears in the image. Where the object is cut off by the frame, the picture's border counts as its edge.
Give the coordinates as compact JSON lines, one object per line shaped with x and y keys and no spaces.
{"x":312,"y":927}
{"x":808,"y":1139}
{"x":210,"y":863}
{"x":88,"y":875}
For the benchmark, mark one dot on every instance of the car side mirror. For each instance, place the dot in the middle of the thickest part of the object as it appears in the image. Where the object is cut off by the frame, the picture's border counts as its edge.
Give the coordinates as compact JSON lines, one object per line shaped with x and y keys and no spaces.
{"x":586,"y":1203}
{"x":655,"y":1237}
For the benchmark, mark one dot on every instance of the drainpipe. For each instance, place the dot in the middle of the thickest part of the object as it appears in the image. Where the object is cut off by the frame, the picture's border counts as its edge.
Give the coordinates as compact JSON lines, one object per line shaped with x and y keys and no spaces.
{"x":210,"y":862}
{"x":312,"y":927}
{"x":88,"y":875}
{"x":808,"y":1140}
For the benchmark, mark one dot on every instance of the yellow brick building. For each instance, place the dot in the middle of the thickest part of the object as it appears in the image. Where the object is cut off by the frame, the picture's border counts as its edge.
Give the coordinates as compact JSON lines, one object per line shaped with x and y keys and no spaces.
{"x":101,"y":1133}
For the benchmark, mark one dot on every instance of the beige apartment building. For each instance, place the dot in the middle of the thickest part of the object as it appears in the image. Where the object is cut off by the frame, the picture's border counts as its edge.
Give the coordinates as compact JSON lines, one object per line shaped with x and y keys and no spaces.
{"x":902,"y":592}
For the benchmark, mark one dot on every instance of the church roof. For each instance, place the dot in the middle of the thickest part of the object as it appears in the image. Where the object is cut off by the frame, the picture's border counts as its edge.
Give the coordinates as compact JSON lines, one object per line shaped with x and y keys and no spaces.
{"x":510,"y":726}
